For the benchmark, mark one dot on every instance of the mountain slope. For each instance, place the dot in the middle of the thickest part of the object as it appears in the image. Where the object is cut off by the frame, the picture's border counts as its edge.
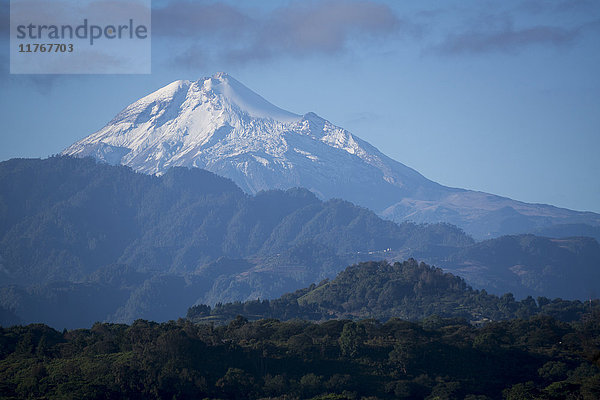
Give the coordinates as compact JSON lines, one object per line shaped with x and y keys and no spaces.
{"x":114,"y":244}
{"x":218,"y":124}
{"x":82,"y":241}
{"x":531,"y":265}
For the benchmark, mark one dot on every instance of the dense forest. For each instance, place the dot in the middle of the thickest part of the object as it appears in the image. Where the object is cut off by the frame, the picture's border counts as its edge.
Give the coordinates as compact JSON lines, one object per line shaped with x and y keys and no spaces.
{"x":113,"y":243}
{"x":536,"y":358}
{"x":82,"y":242}
{"x":64,"y":219}
{"x":407,"y":290}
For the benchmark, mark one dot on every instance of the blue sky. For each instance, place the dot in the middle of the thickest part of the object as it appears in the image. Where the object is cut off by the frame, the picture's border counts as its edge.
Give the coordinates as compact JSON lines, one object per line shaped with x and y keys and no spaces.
{"x":502,"y":97}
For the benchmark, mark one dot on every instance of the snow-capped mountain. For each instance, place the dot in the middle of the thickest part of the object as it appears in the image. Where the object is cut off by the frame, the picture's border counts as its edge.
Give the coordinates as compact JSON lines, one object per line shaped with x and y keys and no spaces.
{"x":218,"y":124}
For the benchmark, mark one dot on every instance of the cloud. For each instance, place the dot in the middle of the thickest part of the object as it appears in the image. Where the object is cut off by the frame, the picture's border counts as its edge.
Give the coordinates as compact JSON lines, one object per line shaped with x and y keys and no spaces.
{"x":508,"y":27}
{"x":298,"y":29}
{"x":4,"y":19}
{"x":43,"y":84}
{"x":505,"y":38}
{"x":187,"y":19}
{"x":323,"y":27}
{"x":577,"y":6}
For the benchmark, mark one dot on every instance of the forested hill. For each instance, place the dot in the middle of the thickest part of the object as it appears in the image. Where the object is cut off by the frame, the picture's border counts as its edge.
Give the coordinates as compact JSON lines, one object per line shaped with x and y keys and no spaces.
{"x":63,"y":219}
{"x":531,"y":265}
{"x":82,"y":242}
{"x":112,"y":244}
{"x":407,"y":290}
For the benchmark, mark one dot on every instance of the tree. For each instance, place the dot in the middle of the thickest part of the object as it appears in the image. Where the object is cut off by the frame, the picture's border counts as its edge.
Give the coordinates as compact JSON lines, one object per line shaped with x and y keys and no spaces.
{"x":310,"y":385}
{"x":351,"y":339}
{"x":236,"y":383}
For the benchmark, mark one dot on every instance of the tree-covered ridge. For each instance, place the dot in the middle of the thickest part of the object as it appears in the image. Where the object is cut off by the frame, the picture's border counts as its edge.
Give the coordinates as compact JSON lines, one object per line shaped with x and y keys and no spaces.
{"x":407,"y":290}
{"x":526,"y":264}
{"x":537,"y":358}
{"x":72,"y":229}
{"x":63,"y":212}
{"x":82,"y":242}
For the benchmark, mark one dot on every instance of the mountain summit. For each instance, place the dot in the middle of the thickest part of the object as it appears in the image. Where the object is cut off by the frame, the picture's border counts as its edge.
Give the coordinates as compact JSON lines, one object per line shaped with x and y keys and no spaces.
{"x":218,"y":124}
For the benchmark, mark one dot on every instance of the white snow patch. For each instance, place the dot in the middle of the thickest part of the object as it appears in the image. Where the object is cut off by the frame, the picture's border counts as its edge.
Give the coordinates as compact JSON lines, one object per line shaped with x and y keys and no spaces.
{"x":261,"y":160}
{"x":306,"y":154}
{"x":247,"y":100}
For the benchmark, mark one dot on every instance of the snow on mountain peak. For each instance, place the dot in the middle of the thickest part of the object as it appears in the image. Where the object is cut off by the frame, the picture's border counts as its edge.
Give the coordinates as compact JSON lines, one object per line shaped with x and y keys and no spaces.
{"x":219,"y":124}
{"x":245,"y":99}
{"x":221,"y":90}
{"x":166,"y":92}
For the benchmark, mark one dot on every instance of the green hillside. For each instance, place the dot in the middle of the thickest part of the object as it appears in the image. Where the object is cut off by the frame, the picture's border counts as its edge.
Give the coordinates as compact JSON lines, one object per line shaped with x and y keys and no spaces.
{"x":407,"y":290}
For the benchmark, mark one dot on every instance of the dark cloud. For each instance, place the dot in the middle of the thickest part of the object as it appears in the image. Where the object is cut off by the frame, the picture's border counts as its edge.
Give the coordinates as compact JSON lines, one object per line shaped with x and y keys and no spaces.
{"x":187,"y":19}
{"x":512,"y":27}
{"x":4,"y":19}
{"x":43,"y":84}
{"x":319,"y":28}
{"x":508,"y":39}
{"x":560,"y":8}
{"x":297,"y":29}
{"x":577,"y":6}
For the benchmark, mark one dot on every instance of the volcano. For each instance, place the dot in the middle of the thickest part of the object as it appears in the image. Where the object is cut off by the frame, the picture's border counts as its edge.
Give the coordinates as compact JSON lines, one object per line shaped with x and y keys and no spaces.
{"x":218,"y":124}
